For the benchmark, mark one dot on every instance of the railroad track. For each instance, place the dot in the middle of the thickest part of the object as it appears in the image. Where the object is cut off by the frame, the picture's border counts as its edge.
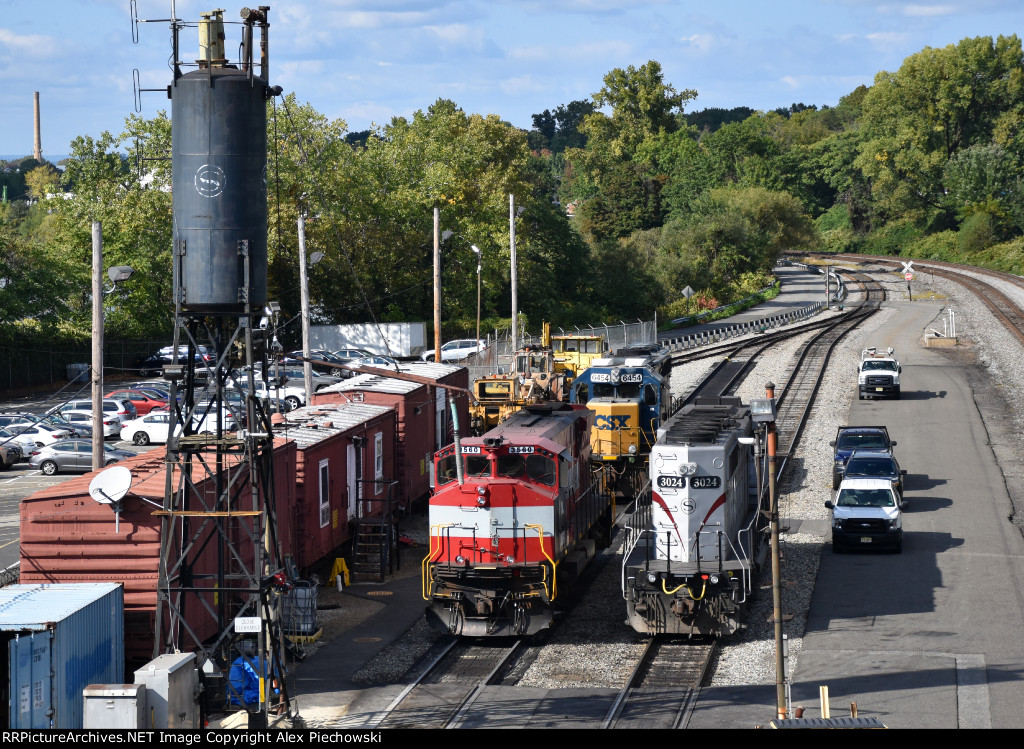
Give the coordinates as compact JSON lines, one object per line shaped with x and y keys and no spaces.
{"x":794,"y":402}
{"x":664,"y":685}
{"x":447,"y":687}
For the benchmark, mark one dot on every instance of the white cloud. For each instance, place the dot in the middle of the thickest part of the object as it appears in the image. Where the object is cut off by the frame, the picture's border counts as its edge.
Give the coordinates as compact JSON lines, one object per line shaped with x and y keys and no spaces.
{"x":790,"y":81}
{"x":888,"y":39}
{"x":928,"y":11}
{"x":32,"y":46}
{"x":702,"y":43}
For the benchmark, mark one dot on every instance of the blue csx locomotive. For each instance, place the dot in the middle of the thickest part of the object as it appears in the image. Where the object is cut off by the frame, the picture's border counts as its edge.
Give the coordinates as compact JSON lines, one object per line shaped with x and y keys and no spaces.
{"x":630,"y":397}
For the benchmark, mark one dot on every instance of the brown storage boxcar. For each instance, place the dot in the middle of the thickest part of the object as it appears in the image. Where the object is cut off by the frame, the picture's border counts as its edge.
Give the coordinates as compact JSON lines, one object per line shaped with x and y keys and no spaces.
{"x":66,"y":537}
{"x":423,"y":412}
{"x":346,"y":470}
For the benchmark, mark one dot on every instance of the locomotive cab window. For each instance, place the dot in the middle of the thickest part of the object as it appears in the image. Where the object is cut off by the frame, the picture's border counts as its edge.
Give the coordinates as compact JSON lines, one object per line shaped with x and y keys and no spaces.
{"x":478,"y":465}
{"x":650,"y":395}
{"x":446,"y":472}
{"x":541,"y":469}
{"x":629,"y":391}
{"x":582,"y":393}
{"x":511,"y":466}
{"x":604,"y":390}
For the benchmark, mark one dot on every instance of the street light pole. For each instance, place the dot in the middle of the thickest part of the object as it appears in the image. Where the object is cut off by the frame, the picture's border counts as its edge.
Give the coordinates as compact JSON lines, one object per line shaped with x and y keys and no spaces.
{"x":479,"y":261}
{"x":515,"y":274}
{"x":437,"y":284}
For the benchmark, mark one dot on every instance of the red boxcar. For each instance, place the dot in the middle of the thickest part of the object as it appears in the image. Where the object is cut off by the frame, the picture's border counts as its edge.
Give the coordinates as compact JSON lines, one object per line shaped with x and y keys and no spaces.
{"x":67,"y":537}
{"x":345,"y":471}
{"x":424,"y":415}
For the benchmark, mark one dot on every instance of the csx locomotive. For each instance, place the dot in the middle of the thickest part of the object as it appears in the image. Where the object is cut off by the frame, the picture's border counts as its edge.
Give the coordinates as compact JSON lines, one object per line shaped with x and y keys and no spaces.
{"x":629,"y":395}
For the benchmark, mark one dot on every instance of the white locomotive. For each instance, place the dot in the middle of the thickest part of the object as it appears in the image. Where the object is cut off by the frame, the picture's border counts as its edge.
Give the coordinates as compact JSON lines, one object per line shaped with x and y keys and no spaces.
{"x":694,"y":549}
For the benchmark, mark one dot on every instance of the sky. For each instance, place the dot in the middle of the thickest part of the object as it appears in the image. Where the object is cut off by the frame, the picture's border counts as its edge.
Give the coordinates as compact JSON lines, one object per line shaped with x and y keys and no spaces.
{"x":367,"y":61}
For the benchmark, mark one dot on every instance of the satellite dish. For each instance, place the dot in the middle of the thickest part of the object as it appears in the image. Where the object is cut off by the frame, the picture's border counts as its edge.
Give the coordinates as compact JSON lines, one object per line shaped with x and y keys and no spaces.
{"x":111,"y":485}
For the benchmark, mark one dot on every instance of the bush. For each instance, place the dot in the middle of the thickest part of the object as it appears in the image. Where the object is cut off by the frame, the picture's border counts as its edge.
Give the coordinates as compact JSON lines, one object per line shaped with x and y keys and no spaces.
{"x":940,"y":246}
{"x":977,"y":233}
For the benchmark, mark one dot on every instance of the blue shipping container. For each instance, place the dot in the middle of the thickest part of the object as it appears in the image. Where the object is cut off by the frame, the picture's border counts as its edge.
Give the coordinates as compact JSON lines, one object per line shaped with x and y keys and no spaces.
{"x":57,"y":639}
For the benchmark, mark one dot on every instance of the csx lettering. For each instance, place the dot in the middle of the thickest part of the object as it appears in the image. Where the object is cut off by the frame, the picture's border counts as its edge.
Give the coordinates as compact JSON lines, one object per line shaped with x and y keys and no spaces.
{"x":613,"y":423}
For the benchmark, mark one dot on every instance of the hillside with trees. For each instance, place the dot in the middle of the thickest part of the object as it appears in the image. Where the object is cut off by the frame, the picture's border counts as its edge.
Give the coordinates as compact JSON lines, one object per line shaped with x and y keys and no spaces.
{"x":924,"y":163}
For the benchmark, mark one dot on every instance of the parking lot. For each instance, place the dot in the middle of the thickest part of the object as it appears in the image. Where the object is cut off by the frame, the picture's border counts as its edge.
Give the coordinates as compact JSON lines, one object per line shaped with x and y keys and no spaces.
{"x":21,"y":480}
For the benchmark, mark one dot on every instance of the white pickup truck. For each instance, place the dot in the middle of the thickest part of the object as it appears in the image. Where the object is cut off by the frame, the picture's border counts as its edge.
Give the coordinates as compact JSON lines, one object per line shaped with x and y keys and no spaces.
{"x":878,"y":374}
{"x":867,"y":513}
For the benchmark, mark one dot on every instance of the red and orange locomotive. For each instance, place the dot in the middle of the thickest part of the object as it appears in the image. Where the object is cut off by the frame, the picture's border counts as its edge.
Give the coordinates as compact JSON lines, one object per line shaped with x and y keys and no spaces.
{"x":515,"y":514}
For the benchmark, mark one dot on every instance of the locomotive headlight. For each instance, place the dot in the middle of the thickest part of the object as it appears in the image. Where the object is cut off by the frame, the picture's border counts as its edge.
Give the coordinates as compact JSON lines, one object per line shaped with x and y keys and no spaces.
{"x":615,"y":376}
{"x":481,"y":500}
{"x":632,"y":449}
{"x":688,"y":469}
{"x":652,"y":577}
{"x":460,"y":559}
{"x":713,"y":579}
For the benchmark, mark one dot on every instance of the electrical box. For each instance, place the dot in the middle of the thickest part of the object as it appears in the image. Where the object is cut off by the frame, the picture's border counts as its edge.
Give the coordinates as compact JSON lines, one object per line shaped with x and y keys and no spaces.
{"x":172,"y":689}
{"x":115,"y":706}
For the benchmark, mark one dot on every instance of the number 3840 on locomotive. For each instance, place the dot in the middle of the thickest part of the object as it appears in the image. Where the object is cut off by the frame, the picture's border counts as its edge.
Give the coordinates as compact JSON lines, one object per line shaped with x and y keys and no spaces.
{"x":514,"y":517}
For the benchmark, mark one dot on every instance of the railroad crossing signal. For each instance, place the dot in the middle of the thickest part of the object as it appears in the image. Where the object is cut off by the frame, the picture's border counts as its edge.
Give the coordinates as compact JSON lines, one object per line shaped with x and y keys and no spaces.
{"x":908,"y":266}
{"x":909,"y":276}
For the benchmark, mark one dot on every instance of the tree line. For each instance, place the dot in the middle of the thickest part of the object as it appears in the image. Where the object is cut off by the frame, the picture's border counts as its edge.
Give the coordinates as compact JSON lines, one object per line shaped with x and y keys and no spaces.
{"x":626,"y":200}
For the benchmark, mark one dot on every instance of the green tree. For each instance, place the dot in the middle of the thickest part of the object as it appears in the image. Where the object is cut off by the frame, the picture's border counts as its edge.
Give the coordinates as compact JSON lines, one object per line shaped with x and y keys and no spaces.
{"x":940,"y":102}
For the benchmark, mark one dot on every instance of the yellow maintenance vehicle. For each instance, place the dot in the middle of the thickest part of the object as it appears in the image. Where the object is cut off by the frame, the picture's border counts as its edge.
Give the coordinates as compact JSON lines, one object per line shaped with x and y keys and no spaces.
{"x":540,"y":372}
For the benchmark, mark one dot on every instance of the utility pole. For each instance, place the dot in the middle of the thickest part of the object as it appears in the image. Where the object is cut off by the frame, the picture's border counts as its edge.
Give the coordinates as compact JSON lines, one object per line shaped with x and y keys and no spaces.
{"x":437,"y":284}
{"x":97,"y":346}
{"x":773,"y":500}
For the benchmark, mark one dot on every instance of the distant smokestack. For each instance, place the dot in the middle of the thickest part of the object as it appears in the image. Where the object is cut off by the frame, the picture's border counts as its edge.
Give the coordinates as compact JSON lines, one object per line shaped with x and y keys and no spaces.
{"x":37,"y":151}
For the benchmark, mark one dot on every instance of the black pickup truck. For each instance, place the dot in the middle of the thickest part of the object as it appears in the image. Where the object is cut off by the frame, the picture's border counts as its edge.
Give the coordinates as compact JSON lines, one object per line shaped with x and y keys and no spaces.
{"x":850,"y":438}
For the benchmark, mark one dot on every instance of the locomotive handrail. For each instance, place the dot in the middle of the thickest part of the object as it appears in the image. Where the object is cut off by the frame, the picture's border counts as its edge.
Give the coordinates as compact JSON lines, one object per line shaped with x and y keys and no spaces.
{"x":427,"y":560}
{"x":553,"y":593}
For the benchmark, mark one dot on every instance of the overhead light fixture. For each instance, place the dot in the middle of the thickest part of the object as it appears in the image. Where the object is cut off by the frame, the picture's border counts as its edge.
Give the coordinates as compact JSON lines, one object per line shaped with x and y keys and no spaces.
{"x":762,"y":410}
{"x":119,"y":273}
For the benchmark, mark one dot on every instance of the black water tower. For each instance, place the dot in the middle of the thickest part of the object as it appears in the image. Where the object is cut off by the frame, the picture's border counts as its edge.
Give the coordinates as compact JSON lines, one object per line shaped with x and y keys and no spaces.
{"x":219,"y":153}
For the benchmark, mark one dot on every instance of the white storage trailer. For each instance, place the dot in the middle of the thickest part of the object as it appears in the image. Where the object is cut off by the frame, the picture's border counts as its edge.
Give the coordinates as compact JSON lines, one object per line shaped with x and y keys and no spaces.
{"x":399,"y":339}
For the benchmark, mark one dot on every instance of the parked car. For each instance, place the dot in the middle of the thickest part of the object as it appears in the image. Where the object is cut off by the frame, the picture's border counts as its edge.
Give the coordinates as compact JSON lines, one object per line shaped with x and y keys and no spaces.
{"x":9,"y":455}
{"x":157,"y":389}
{"x":294,"y":376}
{"x":144,"y":402}
{"x":156,"y":426}
{"x":124,"y":410}
{"x":153,"y":365}
{"x":295,"y":357}
{"x":79,"y":429}
{"x":882,"y":464}
{"x":72,"y":455}
{"x":41,"y":434}
{"x":351,"y":353}
{"x":380,"y":362}
{"x":16,"y":417}
{"x":81,"y":421}
{"x":456,"y":350}
{"x":22,"y":441}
